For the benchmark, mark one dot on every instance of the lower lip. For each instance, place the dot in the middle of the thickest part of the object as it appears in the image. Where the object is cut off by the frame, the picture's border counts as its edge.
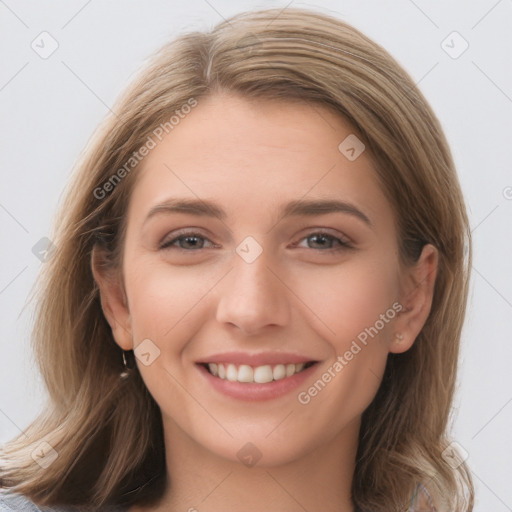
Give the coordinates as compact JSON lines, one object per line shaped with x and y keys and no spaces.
{"x":256,"y":392}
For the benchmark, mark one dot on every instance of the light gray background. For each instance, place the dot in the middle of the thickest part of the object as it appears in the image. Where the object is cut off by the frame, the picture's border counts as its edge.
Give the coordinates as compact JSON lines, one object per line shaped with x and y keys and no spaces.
{"x":49,"y":108}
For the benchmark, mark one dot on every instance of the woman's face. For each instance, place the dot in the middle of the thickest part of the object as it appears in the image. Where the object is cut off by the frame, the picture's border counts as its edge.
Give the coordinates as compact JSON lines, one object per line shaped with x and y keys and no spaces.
{"x":283,"y":257}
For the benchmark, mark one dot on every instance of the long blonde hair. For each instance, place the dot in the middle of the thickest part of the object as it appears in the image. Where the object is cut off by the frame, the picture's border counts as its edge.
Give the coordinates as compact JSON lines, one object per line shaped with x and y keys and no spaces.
{"x":108,"y":432}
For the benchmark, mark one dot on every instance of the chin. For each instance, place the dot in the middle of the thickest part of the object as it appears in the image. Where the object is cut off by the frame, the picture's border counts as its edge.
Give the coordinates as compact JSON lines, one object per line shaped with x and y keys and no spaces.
{"x":257,"y":449}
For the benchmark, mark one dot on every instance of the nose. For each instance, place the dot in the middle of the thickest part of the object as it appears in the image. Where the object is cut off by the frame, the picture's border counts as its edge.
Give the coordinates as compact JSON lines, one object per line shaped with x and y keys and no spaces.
{"x":253,"y":296}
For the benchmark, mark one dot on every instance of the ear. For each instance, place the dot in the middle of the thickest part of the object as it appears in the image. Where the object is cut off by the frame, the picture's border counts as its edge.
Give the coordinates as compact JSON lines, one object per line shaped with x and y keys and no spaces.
{"x":416,"y":294}
{"x":113,"y":299}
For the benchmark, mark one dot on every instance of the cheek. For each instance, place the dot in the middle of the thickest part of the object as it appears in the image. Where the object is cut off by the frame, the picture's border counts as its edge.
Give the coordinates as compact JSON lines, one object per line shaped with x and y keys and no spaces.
{"x":165,"y":301}
{"x":351,"y":299}
{"x":357,"y":306}
{"x":166,"y":307}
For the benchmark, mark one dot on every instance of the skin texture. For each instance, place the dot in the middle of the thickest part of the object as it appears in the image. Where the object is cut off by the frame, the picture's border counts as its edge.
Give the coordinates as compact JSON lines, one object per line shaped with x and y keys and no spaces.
{"x":299,"y":296}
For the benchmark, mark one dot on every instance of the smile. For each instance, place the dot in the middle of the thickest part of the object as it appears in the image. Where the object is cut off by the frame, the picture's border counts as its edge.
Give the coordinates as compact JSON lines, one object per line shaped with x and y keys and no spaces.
{"x":258,"y":376}
{"x":255,"y":374}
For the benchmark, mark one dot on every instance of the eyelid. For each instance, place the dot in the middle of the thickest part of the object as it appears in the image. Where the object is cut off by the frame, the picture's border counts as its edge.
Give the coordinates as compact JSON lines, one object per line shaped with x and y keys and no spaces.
{"x":166,"y":244}
{"x":344,"y":241}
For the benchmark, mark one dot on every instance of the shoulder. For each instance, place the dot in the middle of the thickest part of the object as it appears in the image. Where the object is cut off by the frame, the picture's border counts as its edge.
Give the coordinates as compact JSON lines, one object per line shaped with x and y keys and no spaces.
{"x":13,"y":502}
{"x":421,"y":500}
{"x":16,"y":502}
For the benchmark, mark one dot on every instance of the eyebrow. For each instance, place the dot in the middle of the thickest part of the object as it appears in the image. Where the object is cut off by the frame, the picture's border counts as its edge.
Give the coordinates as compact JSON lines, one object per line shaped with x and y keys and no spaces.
{"x":206,"y":208}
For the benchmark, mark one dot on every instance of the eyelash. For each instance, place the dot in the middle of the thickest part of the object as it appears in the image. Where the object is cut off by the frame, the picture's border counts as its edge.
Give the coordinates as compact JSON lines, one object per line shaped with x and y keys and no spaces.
{"x":342,"y":244}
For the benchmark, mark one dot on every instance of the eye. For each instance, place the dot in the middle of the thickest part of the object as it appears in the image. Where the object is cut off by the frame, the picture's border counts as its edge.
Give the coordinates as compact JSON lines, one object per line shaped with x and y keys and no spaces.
{"x":193,"y":241}
{"x":325,"y":242}
{"x":188,"y":241}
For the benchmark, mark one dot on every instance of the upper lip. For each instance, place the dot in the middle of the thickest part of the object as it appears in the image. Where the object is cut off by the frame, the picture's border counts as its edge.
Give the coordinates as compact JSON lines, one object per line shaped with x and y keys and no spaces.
{"x":259,"y":359}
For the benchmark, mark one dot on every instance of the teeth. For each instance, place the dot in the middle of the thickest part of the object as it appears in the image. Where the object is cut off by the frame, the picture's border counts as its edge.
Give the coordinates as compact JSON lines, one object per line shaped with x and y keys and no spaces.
{"x":245,"y":373}
{"x":263,"y":374}
{"x":279,"y":372}
{"x":232,"y":373}
{"x":260,"y":374}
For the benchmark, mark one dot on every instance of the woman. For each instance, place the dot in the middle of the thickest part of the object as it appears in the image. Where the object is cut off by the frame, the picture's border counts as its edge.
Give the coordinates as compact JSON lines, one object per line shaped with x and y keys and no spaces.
{"x":259,"y":288}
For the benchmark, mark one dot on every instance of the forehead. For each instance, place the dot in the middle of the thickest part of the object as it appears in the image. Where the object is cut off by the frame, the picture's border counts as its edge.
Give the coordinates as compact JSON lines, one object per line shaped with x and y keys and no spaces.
{"x":252,"y":154}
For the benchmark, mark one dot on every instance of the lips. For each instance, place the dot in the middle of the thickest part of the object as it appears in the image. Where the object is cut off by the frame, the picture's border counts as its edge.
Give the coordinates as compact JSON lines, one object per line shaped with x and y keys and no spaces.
{"x":253,"y":375}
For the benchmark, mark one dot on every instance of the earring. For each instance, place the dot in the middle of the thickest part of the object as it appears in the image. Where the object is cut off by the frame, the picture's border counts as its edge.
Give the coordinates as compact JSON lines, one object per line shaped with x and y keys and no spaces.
{"x":399,"y":337}
{"x":127,"y":371}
